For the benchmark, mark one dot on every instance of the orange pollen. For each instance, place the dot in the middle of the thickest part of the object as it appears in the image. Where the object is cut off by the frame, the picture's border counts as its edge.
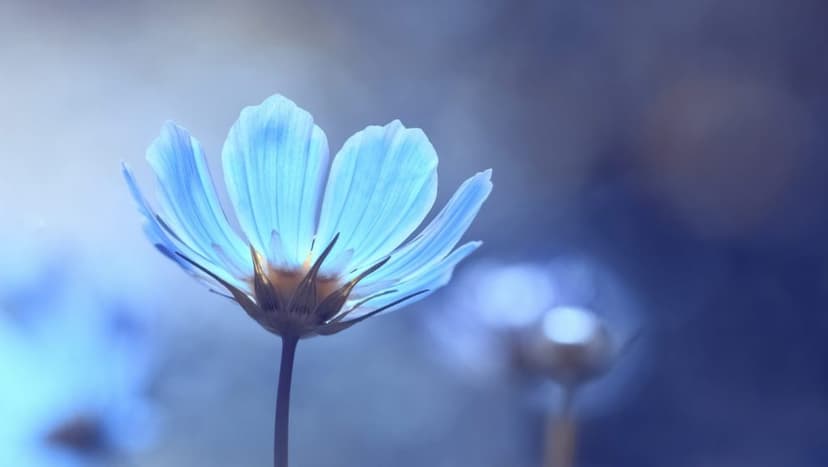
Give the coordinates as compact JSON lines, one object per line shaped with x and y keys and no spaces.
{"x":286,"y":282}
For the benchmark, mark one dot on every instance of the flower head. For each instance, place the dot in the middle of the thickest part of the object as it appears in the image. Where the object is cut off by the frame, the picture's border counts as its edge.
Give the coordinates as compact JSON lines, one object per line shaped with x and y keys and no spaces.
{"x":324,"y":244}
{"x":573,"y":345}
{"x":553,"y":327}
{"x":524,"y":316}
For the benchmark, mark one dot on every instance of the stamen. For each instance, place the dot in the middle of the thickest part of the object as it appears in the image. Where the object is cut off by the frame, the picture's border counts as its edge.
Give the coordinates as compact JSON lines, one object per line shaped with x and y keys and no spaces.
{"x":306,"y":264}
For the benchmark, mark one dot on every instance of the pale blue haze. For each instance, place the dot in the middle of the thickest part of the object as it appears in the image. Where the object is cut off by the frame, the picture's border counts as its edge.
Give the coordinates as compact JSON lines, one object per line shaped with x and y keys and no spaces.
{"x":69,"y":351}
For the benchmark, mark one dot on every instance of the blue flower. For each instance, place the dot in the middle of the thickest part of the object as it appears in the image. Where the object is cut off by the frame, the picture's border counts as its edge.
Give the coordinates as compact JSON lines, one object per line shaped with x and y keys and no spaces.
{"x":324,"y":243}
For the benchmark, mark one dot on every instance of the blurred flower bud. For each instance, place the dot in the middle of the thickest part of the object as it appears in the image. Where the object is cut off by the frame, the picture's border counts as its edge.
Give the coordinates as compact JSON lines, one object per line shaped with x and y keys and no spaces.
{"x":564,"y":322}
{"x":571,"y":345}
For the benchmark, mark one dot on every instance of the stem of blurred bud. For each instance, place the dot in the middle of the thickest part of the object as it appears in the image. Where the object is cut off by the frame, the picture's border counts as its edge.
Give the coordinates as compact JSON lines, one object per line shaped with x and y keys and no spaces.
{"x":280,"y":435}
{"x":561,"y":432}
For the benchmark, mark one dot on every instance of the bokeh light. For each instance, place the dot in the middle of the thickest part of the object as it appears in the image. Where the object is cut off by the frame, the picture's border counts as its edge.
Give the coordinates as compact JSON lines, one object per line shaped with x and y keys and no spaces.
{"x":570,"y":325}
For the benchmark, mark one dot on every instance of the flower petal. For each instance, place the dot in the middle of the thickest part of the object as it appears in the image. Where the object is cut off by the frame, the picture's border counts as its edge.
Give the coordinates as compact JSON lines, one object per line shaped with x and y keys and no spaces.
{"x":441,"y":234}
{"x":429,"y":279}
{"x":189,"y":200}
{"x":168,"y":244}
{"x":153,"y":230}
{"x":275,"y":162}
{"x":382,"y":184}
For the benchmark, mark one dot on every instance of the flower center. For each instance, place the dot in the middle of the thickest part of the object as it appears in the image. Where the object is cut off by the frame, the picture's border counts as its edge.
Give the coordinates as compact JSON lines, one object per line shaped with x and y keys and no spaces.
{"x":299,"y":301}
{"x":283,"y":285}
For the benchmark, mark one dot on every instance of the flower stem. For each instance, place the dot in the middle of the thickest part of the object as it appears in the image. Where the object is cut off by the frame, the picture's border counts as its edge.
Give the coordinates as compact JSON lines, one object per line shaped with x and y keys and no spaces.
{"x":560,"y":447}
{"x":280,"y":435}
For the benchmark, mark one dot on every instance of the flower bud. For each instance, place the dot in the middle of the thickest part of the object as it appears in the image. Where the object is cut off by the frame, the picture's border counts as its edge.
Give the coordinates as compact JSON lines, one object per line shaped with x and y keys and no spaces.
{"x":571,"y":345}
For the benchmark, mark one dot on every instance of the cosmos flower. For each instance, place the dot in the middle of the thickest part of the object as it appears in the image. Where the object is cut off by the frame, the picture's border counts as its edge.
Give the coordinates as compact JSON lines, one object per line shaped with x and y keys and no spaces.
{"x":74,"y":368}
{"x":316,"y":257}
{"x":324,"y":245}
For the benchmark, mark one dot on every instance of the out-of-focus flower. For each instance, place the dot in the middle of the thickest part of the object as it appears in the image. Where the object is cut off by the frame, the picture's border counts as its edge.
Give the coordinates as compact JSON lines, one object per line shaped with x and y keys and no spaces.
{"x":565,"y":322}
{"x":314,"y":260}
{"x":566,"y":319}
{"x":572,"y":346}
{"x":74,"y":368}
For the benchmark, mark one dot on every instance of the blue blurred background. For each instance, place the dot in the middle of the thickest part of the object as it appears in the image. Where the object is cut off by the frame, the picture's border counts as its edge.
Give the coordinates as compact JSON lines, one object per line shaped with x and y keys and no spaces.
{"x":681,"y":146}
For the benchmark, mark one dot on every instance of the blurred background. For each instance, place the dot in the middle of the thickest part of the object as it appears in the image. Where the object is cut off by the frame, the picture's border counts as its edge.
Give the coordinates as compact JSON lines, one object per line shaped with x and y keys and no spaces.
{"x":677,"y":147}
